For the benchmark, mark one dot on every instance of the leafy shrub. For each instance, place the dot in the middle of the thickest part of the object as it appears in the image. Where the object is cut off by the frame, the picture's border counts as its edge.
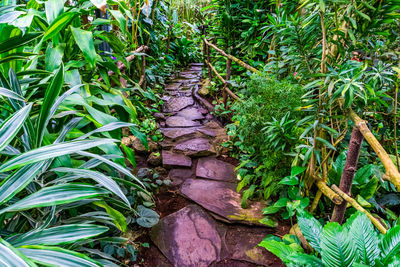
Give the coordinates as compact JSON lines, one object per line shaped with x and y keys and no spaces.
{"x":355,"y":243}
{"x":264,"y":129}
{"x":267,"y":99}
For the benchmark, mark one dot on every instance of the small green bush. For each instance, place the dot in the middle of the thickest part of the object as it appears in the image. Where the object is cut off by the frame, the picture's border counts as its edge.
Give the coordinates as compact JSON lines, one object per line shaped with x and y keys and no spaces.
{"x":263,"y":130}
{"x":266,"y":99}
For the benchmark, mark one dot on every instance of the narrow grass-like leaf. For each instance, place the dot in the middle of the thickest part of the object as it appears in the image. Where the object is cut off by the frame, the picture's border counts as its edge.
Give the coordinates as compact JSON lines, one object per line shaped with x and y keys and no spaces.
{"x":17,"y":41}
{"x":18,"y":181}
{"x":58,"y":24}
{"x":107,"y":128}
{"x":55,"y":256}
{"x":64,"y":234}
{"x":10,"y":127}
{"x":52,"y":92}
{"x":11,"y":257}
{"x":112,"y":164}
{"x":51,"y":151}
{"x":100,"y":178}
{"x":56,"y":195}
{"x":10,"y":94}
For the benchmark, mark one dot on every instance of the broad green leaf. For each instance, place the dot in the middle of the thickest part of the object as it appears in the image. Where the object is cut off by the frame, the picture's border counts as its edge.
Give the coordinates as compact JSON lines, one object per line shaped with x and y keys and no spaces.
{"x":302,"y":259}
{"x":296,"y":170}
{"x":51,"y":151}
{"x":56,"y":195}
{"x":279,"y":249}
{"x":17,"y":41}
{"x":54,"y":56}
{"x":53,"y":9}
{"x":58,"y":24}
{"x":84,"y":40}
{"x":64,"y":234}
{"x":118,"y":218}
{"x":55,"y":256}
{"x":147,"y":217}
{"x":337,"y":247}
{"x":100,"y":178}
{"x":390,"y":244}
{"x":51,"y":94}
{"x":10,"y":127}
{"x":311,"y":229}
{"x":11,"y":257}
{"x":364,"y":237}
{"x":18,"y":181}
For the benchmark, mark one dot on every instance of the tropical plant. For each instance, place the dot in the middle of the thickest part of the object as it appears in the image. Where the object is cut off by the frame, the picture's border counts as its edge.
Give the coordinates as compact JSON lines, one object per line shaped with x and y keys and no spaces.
{"x":356,"y":243}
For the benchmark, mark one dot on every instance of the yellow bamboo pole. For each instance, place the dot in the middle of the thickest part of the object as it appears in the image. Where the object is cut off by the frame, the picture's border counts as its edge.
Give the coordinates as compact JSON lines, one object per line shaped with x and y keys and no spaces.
{"x":358,"y":207}
{"x":392,"y":174}
{"x":232,"y":94}
{"x":238,"y":61}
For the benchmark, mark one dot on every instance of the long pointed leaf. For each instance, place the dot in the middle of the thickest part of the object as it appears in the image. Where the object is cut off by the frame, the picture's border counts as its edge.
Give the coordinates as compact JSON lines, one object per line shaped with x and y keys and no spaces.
{"x":18,"y":41}
{"x":64,"y":234}
{"x":112,"y":164}
{"x":102,"y":179}
{"x":51,"y":151}
{"x":10,"y":127}
{"x":11,"y":257}
{"x":55,"y":256}
{"x":18,"y":181}
{"x":52,"y":92}
{"x":56,"y":195}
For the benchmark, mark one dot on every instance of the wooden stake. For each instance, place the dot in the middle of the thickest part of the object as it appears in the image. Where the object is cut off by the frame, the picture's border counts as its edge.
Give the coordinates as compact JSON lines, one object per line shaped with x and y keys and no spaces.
{"x":350,"y":169}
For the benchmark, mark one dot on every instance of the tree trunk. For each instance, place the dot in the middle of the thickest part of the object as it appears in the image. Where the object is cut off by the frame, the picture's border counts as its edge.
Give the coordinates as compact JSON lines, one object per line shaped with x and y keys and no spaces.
{"x":350,"y":169}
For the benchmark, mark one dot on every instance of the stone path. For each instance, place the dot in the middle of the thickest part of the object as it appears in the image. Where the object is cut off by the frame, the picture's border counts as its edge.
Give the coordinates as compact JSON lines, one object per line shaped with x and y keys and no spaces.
{"x":213,"y":231}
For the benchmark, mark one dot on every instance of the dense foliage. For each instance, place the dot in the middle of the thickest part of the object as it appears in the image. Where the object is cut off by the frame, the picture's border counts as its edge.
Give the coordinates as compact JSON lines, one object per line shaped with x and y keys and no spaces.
{"x":67,"y":192}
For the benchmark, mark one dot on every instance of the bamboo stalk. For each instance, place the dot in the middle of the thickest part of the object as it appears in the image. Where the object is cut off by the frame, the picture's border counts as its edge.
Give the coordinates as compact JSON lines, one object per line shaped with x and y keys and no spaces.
{"x":358,"y":207}
{"x":327,"y":191}
{"x":238,"y":61}
{"x":232,"y":94}
{"x":393,"y":174}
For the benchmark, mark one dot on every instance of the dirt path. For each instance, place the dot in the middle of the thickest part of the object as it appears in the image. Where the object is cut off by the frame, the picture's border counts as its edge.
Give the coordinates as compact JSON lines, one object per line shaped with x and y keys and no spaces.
{"x":202,"y":222}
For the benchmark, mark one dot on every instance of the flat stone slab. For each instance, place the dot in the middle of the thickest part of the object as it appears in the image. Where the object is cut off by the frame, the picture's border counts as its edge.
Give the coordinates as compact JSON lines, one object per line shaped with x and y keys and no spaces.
{"x":222,"y":199}
{"x":175,"y":133}
{"x":178,"y":121}
{"x":176,"y":104}
{"x":191,"y":113}
{"x":196,"y":147}
{"x":178,"y":176}
{"x":172,"y":86}
{"x":214,"y":169}
{"x":188,"y":238}
{"x":170,"y":159}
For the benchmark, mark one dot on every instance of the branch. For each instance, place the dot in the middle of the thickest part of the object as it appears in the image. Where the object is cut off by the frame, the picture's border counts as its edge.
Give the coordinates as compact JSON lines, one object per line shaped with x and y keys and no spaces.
{"x":241,"y":63}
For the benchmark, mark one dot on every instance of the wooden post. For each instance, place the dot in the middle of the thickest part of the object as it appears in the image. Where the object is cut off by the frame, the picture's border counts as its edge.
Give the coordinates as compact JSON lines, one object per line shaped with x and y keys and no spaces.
{"x":350,"y":169}
{"x":142,"y":81}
